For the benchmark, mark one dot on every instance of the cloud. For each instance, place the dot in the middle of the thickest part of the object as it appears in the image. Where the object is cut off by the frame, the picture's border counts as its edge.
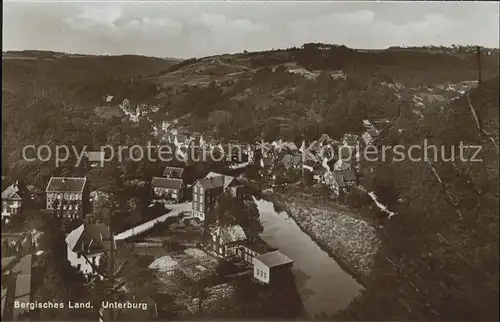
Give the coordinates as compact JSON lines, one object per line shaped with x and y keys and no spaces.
{"x":202,"y":29}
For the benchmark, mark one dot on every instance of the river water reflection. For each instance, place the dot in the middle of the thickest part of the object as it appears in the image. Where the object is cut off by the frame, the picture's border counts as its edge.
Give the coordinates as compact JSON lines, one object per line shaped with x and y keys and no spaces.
{"x":322,"y":284}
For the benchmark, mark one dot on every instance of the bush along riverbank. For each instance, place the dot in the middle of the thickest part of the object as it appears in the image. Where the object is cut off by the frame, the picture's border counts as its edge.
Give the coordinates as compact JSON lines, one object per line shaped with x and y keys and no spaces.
{"x":352,"y":242}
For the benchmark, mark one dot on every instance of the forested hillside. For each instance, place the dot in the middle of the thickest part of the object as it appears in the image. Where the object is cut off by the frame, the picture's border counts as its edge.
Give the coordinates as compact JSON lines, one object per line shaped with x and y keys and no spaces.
{"x":440,"y":254}
{"x":440,"y":257}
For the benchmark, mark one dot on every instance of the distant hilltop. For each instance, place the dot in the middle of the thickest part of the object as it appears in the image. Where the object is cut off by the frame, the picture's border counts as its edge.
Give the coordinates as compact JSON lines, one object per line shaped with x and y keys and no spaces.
{"x":56,"y":54}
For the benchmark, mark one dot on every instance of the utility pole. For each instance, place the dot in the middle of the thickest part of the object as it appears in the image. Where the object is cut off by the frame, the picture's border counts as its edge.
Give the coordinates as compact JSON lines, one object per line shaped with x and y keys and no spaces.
{"x":478,"y":55}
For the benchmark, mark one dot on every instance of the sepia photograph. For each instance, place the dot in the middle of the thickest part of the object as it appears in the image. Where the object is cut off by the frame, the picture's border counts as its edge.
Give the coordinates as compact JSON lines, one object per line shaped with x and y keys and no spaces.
{"x":250,"y":160}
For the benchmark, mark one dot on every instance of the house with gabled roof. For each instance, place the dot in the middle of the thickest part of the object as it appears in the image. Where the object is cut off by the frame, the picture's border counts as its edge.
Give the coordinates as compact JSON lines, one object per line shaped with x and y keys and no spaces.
{"x":340,"y":181}
{"x":167,"y":190}
{"x":207,"y":190}
{"x":86,"y":245}
{"x":205,"y":194}
{"x":11,"y":201}
{"x":67,"y":195}
{"x":173,"y":172}
{"x":227,"y":240}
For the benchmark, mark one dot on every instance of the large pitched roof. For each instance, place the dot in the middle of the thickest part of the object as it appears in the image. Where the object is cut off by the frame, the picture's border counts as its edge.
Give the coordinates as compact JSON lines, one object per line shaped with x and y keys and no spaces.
{"x":169,"y":183}
{"x":10,"y":193}
{"x":230,"y":234}
{"x":62,"y":184}
{"x":212,"y":182}
{"x":173,"y":172}
{"x":273,"y":259}
{"x":228,"y":180}
{"x":91,"y":238}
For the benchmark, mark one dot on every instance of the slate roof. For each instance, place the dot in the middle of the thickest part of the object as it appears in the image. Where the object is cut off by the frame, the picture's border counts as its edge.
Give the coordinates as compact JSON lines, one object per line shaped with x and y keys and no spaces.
{"x":168,"y":183}
{"x":230,"y":234}
{"x":173,"y":172}
{"x":274,"y":259}
{"x":62,"y":184}
{"x":90,"y":238}
{"x":212,"y":182}
{"x":10,"y":193}
{"x":228,"y":180}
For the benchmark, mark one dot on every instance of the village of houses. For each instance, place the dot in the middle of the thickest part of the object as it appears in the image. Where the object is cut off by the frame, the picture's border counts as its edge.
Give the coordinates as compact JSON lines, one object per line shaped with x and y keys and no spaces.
{"x":187,"y":207}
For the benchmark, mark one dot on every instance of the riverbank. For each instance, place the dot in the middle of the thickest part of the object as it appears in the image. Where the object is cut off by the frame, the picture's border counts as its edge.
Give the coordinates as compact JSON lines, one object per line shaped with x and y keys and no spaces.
{"x":350,"y":241}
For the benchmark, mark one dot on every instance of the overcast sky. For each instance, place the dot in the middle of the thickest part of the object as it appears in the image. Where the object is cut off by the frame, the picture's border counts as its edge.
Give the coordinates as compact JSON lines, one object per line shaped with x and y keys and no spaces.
{"x":200,"y":29}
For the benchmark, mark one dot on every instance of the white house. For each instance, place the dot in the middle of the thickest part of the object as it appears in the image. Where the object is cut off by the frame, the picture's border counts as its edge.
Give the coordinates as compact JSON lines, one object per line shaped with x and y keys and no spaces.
{"x":66,"y":194}
{"x":268,"y":265}
{"x":167,"y":190}
{"x":11,"y":201}
{"x":86,"y":245}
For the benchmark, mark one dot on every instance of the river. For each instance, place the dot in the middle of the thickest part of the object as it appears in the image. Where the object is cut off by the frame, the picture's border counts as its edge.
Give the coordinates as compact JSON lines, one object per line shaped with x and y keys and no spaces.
{"x":322,"y":284}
